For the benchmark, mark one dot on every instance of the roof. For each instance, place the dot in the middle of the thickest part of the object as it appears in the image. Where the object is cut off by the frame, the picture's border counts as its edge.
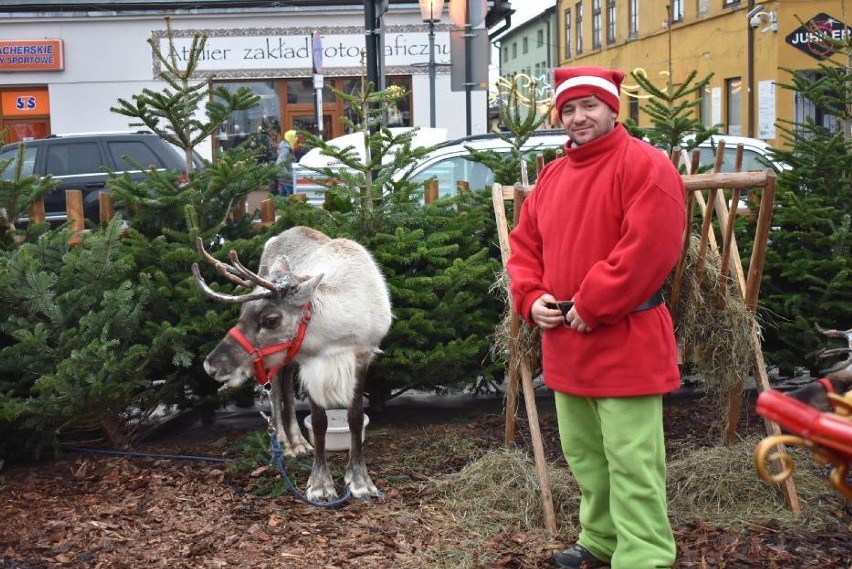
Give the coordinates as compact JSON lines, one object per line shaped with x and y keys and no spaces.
{"x":497,"y":13}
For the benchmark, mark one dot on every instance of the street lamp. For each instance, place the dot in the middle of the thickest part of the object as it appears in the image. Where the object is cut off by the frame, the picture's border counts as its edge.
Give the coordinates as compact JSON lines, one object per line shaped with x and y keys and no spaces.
{"x":431,"y":11}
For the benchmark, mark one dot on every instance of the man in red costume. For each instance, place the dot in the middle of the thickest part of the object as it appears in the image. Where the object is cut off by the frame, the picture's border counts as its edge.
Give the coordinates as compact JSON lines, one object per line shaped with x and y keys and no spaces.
{"x":595,"y":242}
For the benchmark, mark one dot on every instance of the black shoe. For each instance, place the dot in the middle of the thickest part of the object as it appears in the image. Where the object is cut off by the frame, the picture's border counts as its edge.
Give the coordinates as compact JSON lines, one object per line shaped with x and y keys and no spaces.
{"x":576,"y":557}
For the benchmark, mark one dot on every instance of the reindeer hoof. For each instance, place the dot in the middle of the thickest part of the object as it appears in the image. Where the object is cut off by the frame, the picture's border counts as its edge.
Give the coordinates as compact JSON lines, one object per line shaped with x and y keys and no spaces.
{"x":321,"y":494}
{"x":300,"y":447}
{"x":321,"y":488}
{"x":360,"y":485}
{"x":366,"y":493}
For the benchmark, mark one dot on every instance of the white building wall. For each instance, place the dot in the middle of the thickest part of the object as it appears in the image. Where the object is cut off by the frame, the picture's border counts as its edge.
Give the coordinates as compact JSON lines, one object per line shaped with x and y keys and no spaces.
{"x":108,"y":57}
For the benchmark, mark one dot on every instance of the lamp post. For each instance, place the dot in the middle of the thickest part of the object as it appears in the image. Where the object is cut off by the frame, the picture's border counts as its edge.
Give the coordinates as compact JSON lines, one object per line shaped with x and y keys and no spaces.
{"x":467,"y":15}
{"x":431,"y":11}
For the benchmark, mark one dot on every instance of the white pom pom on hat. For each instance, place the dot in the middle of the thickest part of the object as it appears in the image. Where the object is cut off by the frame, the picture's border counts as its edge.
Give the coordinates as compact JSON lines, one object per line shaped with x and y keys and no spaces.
{"x":576,"y":82}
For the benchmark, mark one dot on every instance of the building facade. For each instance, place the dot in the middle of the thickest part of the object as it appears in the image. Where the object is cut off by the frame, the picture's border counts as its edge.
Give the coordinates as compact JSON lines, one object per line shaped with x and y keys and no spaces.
{"x":748,"y":46}
{"x":65,"y":64}
{"x":530,"y":48}
{"x":527,"y":55}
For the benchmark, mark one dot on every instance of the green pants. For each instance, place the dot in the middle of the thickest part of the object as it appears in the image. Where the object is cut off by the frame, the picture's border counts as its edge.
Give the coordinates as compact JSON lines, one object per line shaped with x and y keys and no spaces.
{"x":615,"y":448}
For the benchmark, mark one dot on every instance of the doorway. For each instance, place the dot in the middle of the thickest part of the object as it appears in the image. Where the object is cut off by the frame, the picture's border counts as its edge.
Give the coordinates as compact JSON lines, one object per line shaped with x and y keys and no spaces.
{"x":21,"y":130}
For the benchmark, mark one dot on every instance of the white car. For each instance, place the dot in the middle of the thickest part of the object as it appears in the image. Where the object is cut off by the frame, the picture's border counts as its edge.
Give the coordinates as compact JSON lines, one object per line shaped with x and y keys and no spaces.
{"x":449,"y":162}
{"x":756,"y":154}
{"x":306,"y":176}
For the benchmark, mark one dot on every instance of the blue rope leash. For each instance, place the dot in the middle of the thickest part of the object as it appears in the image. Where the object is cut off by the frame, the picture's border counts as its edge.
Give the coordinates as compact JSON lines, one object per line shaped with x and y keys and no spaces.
{"x":278,"y":461}
{"x":89,"y":450}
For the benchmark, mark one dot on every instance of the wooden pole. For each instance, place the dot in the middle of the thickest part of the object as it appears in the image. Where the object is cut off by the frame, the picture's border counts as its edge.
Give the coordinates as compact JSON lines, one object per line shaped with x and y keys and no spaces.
{"x":107,"y":210}
{"x":267,"y":212}
{"x":431,"y":195}
{"x":74,"y":208}
{"x":538,"y":448}
{"x":36,"y":212}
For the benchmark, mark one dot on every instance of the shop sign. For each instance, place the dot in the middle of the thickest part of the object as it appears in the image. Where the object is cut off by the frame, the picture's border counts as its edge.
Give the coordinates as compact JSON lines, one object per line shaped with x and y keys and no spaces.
{"x":263,"y":52}
{"x":31,"y":55}
{"x":819,"y":37}
{"x":24,"y":103}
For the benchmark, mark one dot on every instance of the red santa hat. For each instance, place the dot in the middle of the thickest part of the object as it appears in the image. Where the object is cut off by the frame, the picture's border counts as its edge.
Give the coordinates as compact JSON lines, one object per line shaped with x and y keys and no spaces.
{"x":576,"y":82}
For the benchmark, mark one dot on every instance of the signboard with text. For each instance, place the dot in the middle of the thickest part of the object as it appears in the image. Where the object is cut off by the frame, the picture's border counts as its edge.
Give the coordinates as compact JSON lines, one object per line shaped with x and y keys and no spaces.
{"x":251,"y":52}
{"x":25,"y":102}
{"x":31,"y":55}
{"x":819,"y":36}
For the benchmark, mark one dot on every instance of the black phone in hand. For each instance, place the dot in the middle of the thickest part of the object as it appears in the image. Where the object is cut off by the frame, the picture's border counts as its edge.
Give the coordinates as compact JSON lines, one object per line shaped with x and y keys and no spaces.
{"x":564,"y":306}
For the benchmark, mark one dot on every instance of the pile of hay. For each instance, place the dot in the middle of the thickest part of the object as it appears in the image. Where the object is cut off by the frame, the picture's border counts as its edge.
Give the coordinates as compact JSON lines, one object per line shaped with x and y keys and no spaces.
{"x":496,"y":496}
{"x":720,"y":486}
{"x":716,"y":337}
{"x":529,"y":337}
{"x":500,"y":493}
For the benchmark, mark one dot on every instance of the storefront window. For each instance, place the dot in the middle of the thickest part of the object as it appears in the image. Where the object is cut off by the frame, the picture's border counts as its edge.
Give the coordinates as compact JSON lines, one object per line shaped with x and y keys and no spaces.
{"x":287,"y":104}
{"x":260,"y":126}
{"x":398,"y":114}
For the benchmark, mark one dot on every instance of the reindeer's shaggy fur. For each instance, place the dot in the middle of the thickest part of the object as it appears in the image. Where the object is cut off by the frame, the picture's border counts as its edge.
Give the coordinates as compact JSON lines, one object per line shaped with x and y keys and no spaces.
{"x":351,"y":314}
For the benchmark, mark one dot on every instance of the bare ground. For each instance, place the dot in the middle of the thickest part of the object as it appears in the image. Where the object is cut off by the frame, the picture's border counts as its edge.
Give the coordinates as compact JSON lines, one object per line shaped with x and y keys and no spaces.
{"x":90,"y":511}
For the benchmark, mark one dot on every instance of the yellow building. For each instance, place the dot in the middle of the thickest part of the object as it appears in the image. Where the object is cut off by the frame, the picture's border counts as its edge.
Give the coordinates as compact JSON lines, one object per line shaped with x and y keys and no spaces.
{"x":745,"y":44}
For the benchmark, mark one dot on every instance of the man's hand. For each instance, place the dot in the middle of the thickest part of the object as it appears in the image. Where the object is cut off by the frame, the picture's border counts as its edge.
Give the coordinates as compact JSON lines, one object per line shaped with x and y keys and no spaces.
{"x":547,"y":318}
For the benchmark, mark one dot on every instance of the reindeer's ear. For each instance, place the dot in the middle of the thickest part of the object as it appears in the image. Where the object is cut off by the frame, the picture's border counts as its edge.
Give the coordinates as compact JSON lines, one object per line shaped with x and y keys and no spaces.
{"x":280,"y":266}
{"x":305,"y":292}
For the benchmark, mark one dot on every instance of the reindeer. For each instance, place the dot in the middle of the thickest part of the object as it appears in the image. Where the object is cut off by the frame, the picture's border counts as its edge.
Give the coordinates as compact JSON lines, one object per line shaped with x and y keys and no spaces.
{"x":317,"y":302}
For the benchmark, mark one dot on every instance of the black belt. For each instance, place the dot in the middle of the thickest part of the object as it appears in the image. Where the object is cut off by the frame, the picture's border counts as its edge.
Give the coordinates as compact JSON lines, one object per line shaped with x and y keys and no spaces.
{"x":655,"y":300}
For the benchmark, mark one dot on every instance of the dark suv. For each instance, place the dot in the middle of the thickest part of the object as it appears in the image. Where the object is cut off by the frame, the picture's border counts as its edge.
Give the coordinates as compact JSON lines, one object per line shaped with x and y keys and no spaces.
{"x":81,"y":161}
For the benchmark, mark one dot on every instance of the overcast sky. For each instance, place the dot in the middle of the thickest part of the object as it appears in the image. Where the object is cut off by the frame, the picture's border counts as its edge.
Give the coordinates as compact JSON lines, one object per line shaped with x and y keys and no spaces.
{"x":526,"y":9}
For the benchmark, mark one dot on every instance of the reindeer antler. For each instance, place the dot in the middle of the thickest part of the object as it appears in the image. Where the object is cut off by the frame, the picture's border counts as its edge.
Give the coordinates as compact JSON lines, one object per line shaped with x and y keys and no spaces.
{"x":236,"y":273}
{"x":250,"y":275}
{"x":222,"y":297}
{"x":223,"y":269}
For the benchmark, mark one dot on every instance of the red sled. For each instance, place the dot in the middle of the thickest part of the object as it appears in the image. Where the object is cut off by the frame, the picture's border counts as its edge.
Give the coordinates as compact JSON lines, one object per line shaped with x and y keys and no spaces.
{"x":828,"y":430}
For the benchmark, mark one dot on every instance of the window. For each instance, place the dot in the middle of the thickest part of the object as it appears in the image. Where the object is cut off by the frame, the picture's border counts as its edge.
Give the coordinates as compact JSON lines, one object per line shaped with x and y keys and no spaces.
{"x":677,"y":10}
{"x":633,"y":109}
{"x":610,"y":21}
{"x":506,"y":53}
{"x":539,"y":38}
{"x":28,"y":165}
{"x":578,"y":14}
{"x":567,"y":34}
{"x":526,"y":47}
{"x":132,"y":155}
{"x":705,"y":111}
{"x":633,"y":18}
{"x":73,"y":159}
{"x":596,"y":24}
{"x":727,"y":3}
{"x":806,"y":109}
{"x":514,"y":50}
{"x":734,"y":105}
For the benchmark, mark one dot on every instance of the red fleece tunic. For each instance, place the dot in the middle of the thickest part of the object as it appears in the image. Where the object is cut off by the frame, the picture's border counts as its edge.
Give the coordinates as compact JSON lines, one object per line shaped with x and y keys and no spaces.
{"x":604,"y":226}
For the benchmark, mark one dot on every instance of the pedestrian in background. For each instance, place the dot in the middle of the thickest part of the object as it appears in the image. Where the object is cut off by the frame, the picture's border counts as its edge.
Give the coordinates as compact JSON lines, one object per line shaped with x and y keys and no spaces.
{"x":285,"y":161}
{"x":596,"y":239}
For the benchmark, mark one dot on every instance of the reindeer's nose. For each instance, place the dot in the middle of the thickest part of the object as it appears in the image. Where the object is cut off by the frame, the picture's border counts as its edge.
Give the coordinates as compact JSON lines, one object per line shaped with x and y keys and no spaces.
{"x":210,"y":368}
